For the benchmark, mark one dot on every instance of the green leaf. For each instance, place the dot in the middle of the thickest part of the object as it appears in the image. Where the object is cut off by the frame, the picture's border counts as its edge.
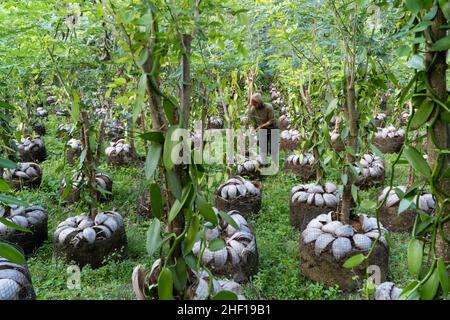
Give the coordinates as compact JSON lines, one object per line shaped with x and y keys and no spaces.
{"x":174,"y":184}
{"x":423,"y":226}
{"x":178,"y":205}
{"x":403,"y":51}
{"x":145,"y":21}
{"x":445,"y":7}
{"x":191,"y":235}
{"x":75,"y":107}
{"x":227,"y":218}
{"x":355,"y":193}
{"x":10,"y":200}
{"x":6,"y":105}
{"x":168,"y":148}
{"x":404,"y":205}
{"x":154,"y":240}
{"x":431,"y":14}
{"x":169,"y":109}
{"x":354,"y":261}
{"x":445,"y":116}
{"x":344,"y":179}
{"x":393,"y":78}
{"x":242,"y":50}
{"x":216,"y":244}
{"x":156,"y":200}
{"x":142,"y":57}
{"x":165,"y":285}
{"x":415,"y":256}
{"x":180,"y":275}
{"x":416,"y":5}
{"x":154,"y":136}
{"x":66,"y":190}
{"x":191,"y":261}
{"x":416,"y":160}
{"x":421,"y":26}
{"x":353,"y":171}
{"x":376,"y":151}
{"x":408,"y":290}
{"x":4,"y":186}
{"x":8,"y":164}
{"x":152,"y":160}
{"x":344,"y":133}
{"x":11,"y":253}
{"x":443,"y":276}
{"x":430,"y":287}
{"x":206,"y":210}
{"x":12,"y":225}
{"x":422,"y":115}
{"x":368,"y":205}
{"x":331,"y":107}
{"x":140,"y":96}
{"x":83,"y":156}
{"x":225,"y":295}
{"x":442,"y":44}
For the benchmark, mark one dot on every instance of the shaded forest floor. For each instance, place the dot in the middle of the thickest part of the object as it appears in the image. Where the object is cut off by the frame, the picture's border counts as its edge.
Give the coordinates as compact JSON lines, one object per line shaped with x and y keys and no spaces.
{"x":277,"y":240}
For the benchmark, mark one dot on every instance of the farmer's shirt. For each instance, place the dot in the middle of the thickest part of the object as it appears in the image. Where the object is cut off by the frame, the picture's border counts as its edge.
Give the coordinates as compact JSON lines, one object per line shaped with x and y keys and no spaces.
{"x":259,"y":116}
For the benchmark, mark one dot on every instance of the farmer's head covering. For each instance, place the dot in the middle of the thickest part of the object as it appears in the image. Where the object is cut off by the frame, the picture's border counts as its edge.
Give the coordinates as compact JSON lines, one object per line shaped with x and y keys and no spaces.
{"x":256,"y":99}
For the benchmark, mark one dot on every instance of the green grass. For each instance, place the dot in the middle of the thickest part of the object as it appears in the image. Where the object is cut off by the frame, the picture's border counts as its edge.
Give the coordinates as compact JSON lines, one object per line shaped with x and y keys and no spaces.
{"x":277,"y":240}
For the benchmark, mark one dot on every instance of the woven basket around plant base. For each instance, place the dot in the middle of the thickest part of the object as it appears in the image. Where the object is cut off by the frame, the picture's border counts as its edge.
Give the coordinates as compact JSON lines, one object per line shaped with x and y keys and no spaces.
{"x":252,"y":175}
{"x":28,"y":241}
{"x":305,"y":172}
{"x":247,"y":205}
{"x":72,"y":155}
{"x":27,"y":292}
{"x":389,"y":145}
{"x":75,"y":195}
{"x":20,"y":183}
{"x":284,"y":124}
{"x":120,"y":160}
{"x":302,"y":213}
{"x":369,"y":182}
{"x":395,"y":222}
{"x":36,"y":154}
{"x":338,"y":145}
{"x":94,"y":254}
{"x":404,"y":122}
{"x":289,"y":145}
{"x":144,"y":207}
{"x":379,"y":122}
{"x":215,"y":126}
{"x":39,"y":128}
{"x":327,"y":270}
{"x":242,"y":272}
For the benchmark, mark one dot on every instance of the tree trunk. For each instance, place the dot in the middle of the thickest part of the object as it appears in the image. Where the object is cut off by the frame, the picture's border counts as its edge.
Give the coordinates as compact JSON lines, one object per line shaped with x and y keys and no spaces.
{"x":178,"y":224}
{"x":144,"y":129}
{"x":101,"y":137}
{"x":89,"y":163}
{"x":159,"y":121}
{"x":130,"y":135}
{"x":411,"y":170}
{"x":352,"y":121}
{"x":187,"y":85}
{"x":441,"y":130}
